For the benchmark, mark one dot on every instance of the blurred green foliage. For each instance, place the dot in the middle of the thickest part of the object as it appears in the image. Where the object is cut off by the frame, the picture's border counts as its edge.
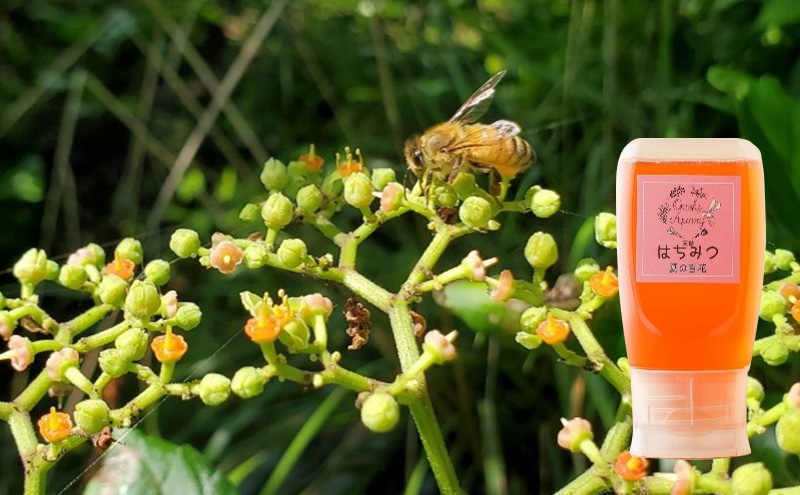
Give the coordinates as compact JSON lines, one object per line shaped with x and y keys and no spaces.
{"x":585,"y":77}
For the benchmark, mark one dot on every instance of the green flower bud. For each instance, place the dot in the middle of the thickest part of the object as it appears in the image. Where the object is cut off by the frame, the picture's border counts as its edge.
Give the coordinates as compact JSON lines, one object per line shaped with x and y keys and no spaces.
{"x":381,"y":177}
{"x":248,"y":382}
{"x":297,"y":169}
{"x":250,"y":212}
{"x":274,"y":175}
{"x":309,"y":199}
{"x":775,"y":352}
{"x":134,"y":342}
{"x":783,"y":259}
{"x":157,"y":271}
{"x":545,"y":203}
{"x":214,"y":389}
{"x":787,"y":431}
{"x":295,"y":335}
{"x":255,"y":255}
{"x":624,"y":365}
{"x":380,"y":412}
{"x":7,"y":325}
{"x":358,"y":190}
{"x":91,"y":254}
{"x":188,"y":316}
{"x":445,"y":196}
{"x":475,"y":212}
{"x":92,"y":415}
{"x":2,"y":301}
{"x":130,"y":249}
{"x":51,"y":270}
{"x":772,"y":304}
{"x":770,"y":265}
{"x":277,"y":211}
{"x":143,"y":300}
{"x":527,"y":340}
{"x":464,"y":185}
{"x":32,"y":267}
{"x":531,"y":318}
{"x":605,"y":230}
{"x":332,"y":185}
{"x":751,"y":479}
{"x":292,"y":252}
{"x":72,"y":276}
{"x":115,"y":362}
{"x":184,"y":243}
{"x":755,"y":390}
{"x":112,"y":290}
{"x":586,"y":268}
{"x":99,"y":254}
{"x":541,"y":250}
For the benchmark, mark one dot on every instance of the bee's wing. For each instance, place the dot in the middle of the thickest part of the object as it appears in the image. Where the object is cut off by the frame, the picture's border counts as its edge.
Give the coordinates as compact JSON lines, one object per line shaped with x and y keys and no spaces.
{"x":477,"y":104}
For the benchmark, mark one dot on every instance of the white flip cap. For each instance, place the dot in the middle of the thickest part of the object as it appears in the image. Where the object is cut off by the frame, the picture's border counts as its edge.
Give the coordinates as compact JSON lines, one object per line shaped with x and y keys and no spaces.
{"x":689,"y":414}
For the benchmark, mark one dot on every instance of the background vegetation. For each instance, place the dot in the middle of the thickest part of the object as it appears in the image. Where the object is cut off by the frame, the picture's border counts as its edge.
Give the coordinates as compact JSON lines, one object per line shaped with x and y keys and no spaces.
{"x":102,"y":105}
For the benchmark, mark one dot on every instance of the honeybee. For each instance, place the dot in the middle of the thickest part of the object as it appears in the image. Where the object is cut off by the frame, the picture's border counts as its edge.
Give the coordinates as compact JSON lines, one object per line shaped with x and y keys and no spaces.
{"x":461,"y":143}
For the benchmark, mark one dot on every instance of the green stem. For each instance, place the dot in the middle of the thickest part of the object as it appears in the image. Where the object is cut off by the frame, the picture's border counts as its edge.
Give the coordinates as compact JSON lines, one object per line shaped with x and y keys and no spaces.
{"x":87,"y":319}
{"x":34,"y":392}
{"x":759,"y":423}
{"x":590,"y":482}
{"x":721,"y":466}
{"x":364,"y":287}
{"x":74,"y":376}
{"x":101,"y":338}
{"x":6,"y":408}
{"x":430,"y":256}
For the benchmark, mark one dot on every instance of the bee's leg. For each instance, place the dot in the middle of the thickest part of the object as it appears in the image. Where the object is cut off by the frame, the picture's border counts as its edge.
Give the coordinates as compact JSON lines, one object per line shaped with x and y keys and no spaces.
{"x":494,"y":186}
{"x":407,"y":181}
{"x":427,"y":187}
{"x":455,"y":171}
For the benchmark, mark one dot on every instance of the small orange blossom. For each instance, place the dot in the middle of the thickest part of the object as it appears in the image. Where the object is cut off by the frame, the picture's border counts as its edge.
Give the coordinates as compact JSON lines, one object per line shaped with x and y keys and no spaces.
{"x":169,"y":347}
{"x":270,"y":321}
{"x":605,"y":283}
{"x":553,"y":331}
{"x":54,"y":426}
{"x":313,"y":161}
{"x":121,"y":267}
{"x":631,"y":468}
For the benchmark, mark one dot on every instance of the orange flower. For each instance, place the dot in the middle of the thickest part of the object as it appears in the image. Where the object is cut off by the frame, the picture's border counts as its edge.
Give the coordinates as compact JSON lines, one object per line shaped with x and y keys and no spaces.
{"x":169,"y":347}
{"x":553,"y":331}
{"x":350,"y":166}
{"x":605,"y":283}
{"x":121,"y":267}
{"x":225,"y":256}
{"x":631,"y":468}
{"x":270,"y":321}
{"x":796,"y":311}
{"x":790,"y":292}
{"x":54,"y":426}
{"x":313,"y":161}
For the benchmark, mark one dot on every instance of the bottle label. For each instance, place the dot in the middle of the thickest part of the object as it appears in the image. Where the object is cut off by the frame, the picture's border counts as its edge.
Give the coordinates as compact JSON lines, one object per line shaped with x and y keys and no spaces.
{"x":688,"y":228}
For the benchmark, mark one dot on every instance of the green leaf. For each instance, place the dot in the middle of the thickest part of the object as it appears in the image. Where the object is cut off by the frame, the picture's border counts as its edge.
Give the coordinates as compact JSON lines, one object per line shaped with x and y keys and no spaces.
{"x":250,"y":302}
{"x":145,"y":465}
{"x":734,"y":82}
{"x":778,"y":13}
{"x":471,"y":302}
{"x":226,"y":188}
{"x":192,"y":185}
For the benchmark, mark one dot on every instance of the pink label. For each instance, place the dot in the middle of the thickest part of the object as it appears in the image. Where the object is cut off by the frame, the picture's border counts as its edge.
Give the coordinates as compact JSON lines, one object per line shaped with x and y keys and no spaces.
{"x":688,"y":228}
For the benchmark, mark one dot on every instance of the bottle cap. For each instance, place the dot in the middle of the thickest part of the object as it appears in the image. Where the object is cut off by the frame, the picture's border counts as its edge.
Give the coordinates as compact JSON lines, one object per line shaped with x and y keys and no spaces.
{"x":689,"y":414}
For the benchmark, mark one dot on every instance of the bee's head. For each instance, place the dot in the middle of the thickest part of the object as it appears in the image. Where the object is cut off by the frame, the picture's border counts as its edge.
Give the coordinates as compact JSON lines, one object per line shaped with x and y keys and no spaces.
{"x":415,"y":157}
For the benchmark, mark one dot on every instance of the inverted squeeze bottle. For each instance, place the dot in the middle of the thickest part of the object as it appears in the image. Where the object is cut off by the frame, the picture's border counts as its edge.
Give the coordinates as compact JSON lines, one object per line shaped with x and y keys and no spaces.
{"x":691,"y":240}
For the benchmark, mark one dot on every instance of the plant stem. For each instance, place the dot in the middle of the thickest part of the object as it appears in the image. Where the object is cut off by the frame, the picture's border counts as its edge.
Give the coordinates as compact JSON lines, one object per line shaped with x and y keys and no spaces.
{"x":101,"y":338}
{"x":721,"y":466}
{"x":85,"y":320}
{"x":34,"y":392}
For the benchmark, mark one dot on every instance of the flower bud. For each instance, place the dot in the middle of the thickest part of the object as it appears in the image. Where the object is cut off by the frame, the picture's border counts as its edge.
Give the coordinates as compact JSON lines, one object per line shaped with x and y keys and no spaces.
{"x":112,"y":290}
{"x":541,"y":250}
{"x":751,"y":479}
{"x":59,"y":362}
{"x":464,"y":184}
{"x":532,"y":317}
{"x":783,"y":259}
{"x":391,"y":197}
{"x":92,"y":415}
{"x":444,"y":195}
{"x":475,"y":212}
{"x":380,"y":412}
{"x":605,"y":230}
{"x":184,"y":243}
{"x":274,"y":175}
{"x":755,"y":390}
{"x":255,"y":255}
{"x":527,"y":340}
{"x":358,"y":190}
{"x":793,"y":397}
{"x":129,"y":249}
{"x":770,"y":265}
{"x":188,"y":316}
{"x":214,"y":389}
{"x":573,"y":433}
{"x":332,"y":185}
{"x":248,"y":382}
{"x":381,"y":177}
{"x":2,"y":301}
{"x":787,"y":431}
{"x":775,"y":352}
{"x":169,"y":304}
{"x":7,"y":325}
{"x":441,"y":346}
{"x":32,"y":267}
{"x":143,"y":300}
{"x":772,"y":304}
{"x":277,"y":211}
{"x":134,"y":342}
{"x":292,"y":253}
{"x":250,"y":212}
{"x":474,"y":266}
{"x":586,"y":268}
{"x":295,"y":335}
{"x":309,"y":199}
{"x":545,"y":203}
{"x":316,"y":304}
{"x":157,"y":271}
{"x":115,"y":362}
{"x":72,"y":276}
{"x":23,"y":352}
{"x":91,"y":254}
